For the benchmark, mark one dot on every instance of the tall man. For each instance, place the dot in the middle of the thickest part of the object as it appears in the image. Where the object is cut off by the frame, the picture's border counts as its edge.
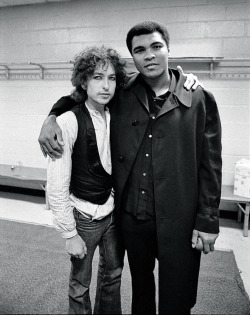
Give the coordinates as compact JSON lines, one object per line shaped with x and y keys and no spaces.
{"x":166,"y":157}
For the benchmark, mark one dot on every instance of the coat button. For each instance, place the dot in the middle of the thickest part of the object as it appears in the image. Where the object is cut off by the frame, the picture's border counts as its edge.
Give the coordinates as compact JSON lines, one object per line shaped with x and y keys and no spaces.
{"x":135,"y":122}
{"x":121,"y":158}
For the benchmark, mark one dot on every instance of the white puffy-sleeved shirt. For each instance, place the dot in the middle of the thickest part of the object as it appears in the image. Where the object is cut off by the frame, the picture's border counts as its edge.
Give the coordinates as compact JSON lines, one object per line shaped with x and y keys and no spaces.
{"x":61,"y":201}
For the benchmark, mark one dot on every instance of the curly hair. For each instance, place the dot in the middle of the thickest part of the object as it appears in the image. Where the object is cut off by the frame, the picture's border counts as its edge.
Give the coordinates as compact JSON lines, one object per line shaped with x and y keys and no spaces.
{"x":85,"y":64}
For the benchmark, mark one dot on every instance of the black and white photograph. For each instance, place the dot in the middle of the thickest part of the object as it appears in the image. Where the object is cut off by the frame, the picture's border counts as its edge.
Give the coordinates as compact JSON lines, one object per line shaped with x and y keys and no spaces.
{"x":125,"y":157}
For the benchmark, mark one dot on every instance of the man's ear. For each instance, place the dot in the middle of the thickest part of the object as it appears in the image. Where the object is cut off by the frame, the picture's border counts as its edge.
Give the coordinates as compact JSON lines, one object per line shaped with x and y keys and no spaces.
{"x":83,"y":86}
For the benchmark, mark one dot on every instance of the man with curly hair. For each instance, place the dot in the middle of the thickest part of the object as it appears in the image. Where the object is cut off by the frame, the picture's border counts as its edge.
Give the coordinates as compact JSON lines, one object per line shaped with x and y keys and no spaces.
{"x":79,"y":184}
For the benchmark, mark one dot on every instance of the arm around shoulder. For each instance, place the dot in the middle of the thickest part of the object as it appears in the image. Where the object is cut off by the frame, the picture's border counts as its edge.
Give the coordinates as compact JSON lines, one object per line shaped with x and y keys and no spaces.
{"x":63,"y":105}
{"x":50,"y":138}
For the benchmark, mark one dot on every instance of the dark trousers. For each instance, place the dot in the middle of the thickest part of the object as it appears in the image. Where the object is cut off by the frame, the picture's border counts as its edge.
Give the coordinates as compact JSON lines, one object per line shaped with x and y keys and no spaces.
{"x":140,"y":240}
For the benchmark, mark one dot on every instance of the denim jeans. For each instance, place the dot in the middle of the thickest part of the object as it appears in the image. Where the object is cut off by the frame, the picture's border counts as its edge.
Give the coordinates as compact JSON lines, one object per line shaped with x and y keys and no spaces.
{"x":102,"y":233}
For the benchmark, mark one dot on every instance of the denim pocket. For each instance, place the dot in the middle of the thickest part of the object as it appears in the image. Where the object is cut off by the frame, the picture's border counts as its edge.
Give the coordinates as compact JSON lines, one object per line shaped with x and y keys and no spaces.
{"x":80,"y":217}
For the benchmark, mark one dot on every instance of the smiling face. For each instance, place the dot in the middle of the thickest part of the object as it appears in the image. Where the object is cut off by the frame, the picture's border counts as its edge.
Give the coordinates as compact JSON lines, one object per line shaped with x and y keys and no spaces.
{"x":150,"y":55}
{"x":100,"y":86}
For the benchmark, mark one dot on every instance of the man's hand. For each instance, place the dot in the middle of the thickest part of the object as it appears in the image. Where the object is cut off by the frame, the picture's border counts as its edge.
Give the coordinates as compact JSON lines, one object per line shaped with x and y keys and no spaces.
{"x":76,"y":247}
{"x":50,"y":138}
{"x":191,"y":81}
{"x":203,"y":241}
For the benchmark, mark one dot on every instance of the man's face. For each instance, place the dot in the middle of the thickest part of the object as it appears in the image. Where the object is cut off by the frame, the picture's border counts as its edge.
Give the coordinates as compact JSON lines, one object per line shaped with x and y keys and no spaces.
{"x":100,"y":86}
{"x":150,"y":55}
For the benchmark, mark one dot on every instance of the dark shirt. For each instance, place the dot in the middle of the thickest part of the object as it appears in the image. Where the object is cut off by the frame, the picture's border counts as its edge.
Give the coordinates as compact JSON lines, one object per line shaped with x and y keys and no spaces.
{"x":138,"y":196}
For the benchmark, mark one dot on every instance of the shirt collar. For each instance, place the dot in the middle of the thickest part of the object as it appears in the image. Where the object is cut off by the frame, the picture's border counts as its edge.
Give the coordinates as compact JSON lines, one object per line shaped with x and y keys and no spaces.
{"x":93,"y":111}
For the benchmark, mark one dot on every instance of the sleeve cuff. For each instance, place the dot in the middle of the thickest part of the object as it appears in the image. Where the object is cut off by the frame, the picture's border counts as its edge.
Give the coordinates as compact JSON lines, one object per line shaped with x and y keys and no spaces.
{"x":69,"y":234}
{"x":53,"y":113}
{"x":207,"y":223}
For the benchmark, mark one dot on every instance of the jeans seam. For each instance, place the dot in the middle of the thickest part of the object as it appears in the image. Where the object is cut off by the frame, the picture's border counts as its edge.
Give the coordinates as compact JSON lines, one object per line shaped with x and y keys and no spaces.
{"x":105,"y":257}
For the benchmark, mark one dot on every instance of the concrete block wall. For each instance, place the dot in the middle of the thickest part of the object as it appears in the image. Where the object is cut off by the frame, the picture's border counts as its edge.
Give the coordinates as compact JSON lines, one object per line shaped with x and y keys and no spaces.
{"x":233,"y":99}
{"x":24,"y":105}
{"x":57,"y":31}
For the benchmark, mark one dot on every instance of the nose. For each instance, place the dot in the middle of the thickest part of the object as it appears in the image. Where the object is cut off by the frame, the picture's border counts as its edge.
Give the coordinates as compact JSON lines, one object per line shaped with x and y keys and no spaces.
{"x":149,"y":55}
{"x":106,"y":84}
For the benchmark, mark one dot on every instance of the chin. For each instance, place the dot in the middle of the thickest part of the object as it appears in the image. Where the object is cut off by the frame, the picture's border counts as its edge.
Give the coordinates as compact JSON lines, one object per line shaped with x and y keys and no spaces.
{"x":104,"y":102}
{"x":152,"y":75}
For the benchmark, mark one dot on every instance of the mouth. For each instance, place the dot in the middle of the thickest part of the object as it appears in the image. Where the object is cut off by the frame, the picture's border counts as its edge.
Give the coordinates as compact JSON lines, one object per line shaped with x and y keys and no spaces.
{"x":104,"y":94}
{"x":150,"y":65}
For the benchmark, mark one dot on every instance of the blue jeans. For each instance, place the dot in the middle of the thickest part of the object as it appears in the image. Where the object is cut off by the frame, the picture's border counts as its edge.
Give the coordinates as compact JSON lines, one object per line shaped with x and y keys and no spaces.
{"x":102,"y":233}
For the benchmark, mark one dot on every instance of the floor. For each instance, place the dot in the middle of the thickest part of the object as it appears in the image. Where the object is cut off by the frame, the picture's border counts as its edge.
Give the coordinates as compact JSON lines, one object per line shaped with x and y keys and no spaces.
{"x":31,"y":209}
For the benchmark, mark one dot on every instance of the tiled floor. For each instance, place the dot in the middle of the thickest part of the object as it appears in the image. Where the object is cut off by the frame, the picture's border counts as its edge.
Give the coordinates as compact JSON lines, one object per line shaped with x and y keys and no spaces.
{"x":31,"y":209}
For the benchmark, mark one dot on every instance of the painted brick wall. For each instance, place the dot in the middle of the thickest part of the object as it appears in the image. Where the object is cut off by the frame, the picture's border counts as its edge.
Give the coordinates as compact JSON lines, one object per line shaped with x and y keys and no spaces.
{"x":56,"y":32}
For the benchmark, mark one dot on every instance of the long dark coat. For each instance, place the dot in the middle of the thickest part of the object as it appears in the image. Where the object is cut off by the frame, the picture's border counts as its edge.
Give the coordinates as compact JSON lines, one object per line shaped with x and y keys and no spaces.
{"x":186,"y":157}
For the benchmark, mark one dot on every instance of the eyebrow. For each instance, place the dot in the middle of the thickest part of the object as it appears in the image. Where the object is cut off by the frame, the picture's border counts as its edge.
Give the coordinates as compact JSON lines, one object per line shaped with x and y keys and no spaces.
{"x":154,"y":43}
{"x":137,"y":47}
{"x":101,"y":73}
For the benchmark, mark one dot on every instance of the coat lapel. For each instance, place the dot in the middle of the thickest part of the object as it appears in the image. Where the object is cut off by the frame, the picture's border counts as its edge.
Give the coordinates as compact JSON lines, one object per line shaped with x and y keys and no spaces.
{"x":170,"y":104}
{"x":140,"y":92}
{"x":178,"y":94}
{"x":184,"y":96}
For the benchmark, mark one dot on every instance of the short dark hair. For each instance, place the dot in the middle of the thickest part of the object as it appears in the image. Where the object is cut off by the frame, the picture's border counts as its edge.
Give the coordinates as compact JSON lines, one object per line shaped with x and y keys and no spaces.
{"x":147,"y":27}
{"x":85,"y":64}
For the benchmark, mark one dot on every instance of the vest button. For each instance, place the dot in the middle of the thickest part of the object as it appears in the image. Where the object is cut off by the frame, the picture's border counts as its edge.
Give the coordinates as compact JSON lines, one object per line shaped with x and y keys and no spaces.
{"x":121,"y":158}
{"x":135,"y":122}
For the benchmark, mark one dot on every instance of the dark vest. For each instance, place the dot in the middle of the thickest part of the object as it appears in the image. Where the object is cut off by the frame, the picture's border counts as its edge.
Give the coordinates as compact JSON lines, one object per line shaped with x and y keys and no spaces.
{"x":89,"y":180}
